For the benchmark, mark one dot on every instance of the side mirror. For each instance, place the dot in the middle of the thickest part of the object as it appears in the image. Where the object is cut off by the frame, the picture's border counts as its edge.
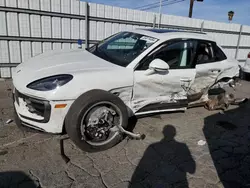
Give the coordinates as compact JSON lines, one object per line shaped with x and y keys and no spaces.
{"x":159,"y":65}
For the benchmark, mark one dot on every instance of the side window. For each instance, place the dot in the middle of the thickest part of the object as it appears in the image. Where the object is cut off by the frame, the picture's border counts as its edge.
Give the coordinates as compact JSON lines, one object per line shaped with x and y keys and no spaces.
{"x":218,"y":53}
{"x":204,"y":53}
{"x":177,"y":54}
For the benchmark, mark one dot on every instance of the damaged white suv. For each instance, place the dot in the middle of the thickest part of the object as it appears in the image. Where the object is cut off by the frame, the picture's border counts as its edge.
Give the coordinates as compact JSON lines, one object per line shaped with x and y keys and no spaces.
{"x":92,"y":93}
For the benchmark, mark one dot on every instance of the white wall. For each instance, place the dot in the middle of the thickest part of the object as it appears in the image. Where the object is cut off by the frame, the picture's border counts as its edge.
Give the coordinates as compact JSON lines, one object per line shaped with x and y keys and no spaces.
{"x":44,"y":27}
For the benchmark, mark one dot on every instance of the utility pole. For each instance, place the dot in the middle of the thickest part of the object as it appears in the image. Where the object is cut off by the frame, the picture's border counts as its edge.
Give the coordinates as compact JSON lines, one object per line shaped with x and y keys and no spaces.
{"x":191,"y":7}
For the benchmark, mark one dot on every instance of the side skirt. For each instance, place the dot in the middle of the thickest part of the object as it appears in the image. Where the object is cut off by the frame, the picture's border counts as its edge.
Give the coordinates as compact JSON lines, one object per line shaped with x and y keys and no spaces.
{"x":180,"y":105}
{"x":160,"y":111}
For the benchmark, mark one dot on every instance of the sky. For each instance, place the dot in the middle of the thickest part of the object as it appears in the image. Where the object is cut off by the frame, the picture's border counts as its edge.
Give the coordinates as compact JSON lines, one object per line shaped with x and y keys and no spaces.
{"x":215,"y":10}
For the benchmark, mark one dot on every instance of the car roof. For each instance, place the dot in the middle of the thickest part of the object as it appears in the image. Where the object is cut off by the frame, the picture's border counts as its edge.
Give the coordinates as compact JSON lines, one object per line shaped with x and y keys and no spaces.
{"x":163,"y":34}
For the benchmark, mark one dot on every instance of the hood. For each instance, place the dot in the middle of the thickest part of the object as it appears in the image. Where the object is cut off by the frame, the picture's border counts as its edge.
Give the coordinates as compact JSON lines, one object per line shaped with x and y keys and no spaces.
{"x":63,"y":61}
{"x":89,"y":71}
{"x":59,"y":62}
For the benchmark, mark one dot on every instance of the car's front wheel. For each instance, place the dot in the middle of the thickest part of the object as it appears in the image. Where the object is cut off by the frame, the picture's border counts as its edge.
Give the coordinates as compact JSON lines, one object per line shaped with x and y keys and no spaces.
{"x":93,"y":120}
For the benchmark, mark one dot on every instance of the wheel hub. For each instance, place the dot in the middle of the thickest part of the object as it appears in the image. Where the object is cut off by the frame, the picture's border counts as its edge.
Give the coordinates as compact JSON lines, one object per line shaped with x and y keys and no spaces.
{"x":98,"y":123}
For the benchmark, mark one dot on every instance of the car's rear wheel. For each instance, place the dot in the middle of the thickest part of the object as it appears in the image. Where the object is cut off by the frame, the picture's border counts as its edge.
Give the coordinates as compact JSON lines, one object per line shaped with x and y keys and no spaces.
{"x":93,"y":120}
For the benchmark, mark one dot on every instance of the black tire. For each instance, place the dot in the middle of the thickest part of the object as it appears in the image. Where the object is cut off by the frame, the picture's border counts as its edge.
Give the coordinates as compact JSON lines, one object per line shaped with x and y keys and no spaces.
{"x":242,"y":75}
{"x":245,"y":76}
{"x":80,"y":106}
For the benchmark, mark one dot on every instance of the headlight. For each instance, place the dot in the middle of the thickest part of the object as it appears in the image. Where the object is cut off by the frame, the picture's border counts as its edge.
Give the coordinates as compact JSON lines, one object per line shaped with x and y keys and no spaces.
{"x":50,"y":83}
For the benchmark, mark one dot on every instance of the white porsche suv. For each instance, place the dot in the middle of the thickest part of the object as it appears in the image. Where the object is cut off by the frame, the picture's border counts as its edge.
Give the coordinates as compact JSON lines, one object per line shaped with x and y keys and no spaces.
{"x":92,"y":93}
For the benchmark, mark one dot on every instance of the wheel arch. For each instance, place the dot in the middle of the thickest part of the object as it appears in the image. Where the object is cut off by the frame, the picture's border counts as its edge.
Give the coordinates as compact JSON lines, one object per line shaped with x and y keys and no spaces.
{"x":79,"y":110}
{"x":116,"y":92}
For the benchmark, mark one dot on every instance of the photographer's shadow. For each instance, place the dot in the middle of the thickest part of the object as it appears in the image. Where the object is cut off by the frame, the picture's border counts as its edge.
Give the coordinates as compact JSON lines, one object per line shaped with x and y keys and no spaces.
{"x":165,"y":163}
{"x":227,"y":136}
{"x":16,"y":179}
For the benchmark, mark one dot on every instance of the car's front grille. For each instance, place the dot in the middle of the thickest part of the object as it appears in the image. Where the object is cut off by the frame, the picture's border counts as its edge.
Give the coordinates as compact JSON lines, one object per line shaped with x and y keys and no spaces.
{"x":35,"y":106}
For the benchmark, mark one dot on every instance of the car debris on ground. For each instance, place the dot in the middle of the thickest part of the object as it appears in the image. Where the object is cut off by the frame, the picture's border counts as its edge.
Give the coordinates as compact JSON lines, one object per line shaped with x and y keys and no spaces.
{"x":9,"y":121}
{"x":201,"y":142}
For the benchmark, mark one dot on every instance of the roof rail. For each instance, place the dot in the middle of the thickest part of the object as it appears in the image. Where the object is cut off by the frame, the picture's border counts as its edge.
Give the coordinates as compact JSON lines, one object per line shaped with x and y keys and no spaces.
{"x":169,"y":31}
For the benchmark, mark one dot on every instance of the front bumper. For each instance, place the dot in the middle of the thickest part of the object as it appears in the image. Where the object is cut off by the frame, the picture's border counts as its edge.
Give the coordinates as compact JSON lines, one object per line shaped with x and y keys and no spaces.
{"x":24,"y":126}
{"x":40,"y":114}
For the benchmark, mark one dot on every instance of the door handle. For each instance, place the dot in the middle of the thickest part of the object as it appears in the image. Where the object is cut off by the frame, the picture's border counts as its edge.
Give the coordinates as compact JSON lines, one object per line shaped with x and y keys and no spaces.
{"x":215,"y":70}
{"x":185,"y":79}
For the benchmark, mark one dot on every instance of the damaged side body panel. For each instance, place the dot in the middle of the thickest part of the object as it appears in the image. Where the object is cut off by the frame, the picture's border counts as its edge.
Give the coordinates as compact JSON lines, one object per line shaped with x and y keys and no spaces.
{"x":123,"y":93}
{"x":170,"y":91}
{"x":182,"y":86}
{"x":210,"y":76}
{"x":157,"y":92}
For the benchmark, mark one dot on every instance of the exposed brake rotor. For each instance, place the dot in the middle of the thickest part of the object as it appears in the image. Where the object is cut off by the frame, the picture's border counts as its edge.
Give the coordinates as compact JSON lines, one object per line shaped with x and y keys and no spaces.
{"x":98,"y":124}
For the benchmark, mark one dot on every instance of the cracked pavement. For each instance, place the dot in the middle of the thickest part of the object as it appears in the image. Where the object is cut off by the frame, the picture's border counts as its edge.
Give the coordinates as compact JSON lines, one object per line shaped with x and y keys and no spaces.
{"x":169,"y":156}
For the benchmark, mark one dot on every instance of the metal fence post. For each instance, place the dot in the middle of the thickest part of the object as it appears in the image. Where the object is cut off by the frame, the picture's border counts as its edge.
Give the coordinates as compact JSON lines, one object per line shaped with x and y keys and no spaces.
{"x":86,"y":25}
{"x":154,"y":21}
{"x":202,"y":26}
{"x":159,"y":24}
{"x":160,"y":13}
{"x":238,"y":43}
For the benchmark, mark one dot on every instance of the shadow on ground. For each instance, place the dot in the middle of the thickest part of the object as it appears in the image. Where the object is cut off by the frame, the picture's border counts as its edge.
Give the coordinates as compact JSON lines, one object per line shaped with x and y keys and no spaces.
{"x":228,"y":136}
{"x":165,"y":163}
{"x":15,"y":179}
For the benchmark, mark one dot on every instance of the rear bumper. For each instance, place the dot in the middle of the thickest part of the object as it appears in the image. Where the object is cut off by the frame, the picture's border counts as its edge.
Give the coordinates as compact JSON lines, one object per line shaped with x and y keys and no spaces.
{"x":51,"y":120}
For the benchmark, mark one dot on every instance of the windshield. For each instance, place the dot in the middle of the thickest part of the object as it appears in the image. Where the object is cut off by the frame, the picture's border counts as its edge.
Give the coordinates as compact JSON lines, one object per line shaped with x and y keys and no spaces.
{"x":122,"y":48}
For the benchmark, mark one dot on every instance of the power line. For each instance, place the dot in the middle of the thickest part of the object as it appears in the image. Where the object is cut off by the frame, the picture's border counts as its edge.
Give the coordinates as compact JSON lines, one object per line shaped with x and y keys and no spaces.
{"x":170,"y":3}
{"x":144,"y":6}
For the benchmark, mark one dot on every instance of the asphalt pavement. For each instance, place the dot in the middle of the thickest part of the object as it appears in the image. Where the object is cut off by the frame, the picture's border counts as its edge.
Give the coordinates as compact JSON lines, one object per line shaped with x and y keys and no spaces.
{"x":195,"y":149}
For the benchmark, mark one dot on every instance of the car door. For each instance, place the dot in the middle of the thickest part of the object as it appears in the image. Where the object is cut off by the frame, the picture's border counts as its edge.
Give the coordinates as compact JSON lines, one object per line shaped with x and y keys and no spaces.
{"x":165,"y":90}
{"x":209,"y":62}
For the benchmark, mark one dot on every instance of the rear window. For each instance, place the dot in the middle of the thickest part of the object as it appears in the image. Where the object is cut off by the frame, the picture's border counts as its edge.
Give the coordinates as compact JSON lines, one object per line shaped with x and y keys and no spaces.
{"x":218,"y":53}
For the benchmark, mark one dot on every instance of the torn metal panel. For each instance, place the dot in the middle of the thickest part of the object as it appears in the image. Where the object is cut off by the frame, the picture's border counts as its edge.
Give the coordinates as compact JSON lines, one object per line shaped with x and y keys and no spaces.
{"x":230,"y":71}
{"x":125,"y":94}
{"x":223,"y":100}
{"x":163,"y":102}
{"x":203,"y":79}
{"x":200,"y":102}
{"x":160,"y":87}
{"x":210,"y":73}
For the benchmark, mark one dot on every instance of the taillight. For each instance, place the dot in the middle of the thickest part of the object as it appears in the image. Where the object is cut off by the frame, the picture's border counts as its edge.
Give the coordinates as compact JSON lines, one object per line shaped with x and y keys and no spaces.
{"x":248,"y":56}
